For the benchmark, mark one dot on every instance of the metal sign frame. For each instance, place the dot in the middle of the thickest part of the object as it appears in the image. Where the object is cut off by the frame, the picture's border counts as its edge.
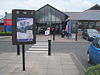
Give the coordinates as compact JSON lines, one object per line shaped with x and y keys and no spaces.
{"x":18,"y":14}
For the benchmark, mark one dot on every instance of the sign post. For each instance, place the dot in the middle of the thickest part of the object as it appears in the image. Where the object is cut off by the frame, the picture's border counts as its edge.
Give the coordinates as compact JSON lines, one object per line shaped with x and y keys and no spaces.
{"x":23,"y":56}
{"x":23,"y":30}
{"x":18,"y":49}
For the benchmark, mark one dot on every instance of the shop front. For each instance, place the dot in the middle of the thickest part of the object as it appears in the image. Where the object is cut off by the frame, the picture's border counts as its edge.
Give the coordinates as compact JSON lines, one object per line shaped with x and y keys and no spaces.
{"x":49,"y":16}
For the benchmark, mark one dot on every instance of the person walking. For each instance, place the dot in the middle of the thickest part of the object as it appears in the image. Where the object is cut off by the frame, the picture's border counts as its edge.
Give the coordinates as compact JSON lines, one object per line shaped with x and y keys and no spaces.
{"x":66,"y":31}
{"x":62,"y":33}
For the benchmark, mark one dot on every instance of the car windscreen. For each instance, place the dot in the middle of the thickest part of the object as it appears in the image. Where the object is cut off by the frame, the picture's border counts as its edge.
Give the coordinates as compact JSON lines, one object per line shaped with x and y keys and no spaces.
{"x":99,"y":42}
{"x":93,"y":31}
{"x":96,"y":42}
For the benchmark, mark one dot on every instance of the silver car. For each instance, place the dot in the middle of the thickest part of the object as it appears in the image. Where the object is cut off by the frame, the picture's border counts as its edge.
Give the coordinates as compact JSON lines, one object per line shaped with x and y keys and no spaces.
{"x":90,"y":34}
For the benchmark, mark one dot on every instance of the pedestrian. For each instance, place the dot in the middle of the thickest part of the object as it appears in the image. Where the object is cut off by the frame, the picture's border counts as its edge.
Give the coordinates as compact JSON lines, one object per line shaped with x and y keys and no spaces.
{"x":62,"y":33}
{"x":66,"y":31}
{"x":53,"y":30}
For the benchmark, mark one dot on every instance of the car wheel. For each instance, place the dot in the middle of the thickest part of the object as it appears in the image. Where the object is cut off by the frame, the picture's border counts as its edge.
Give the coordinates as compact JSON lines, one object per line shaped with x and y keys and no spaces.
{"x":89,"y":59}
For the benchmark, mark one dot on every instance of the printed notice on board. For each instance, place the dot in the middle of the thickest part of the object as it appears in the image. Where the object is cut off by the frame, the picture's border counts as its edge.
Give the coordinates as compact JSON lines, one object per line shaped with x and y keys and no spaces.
{"x":24,"y":29}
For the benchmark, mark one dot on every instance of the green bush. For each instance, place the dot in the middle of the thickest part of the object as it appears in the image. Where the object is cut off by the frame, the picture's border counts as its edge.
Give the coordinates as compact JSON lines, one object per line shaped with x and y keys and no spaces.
{"x":94,"y":70}
{"x":5,"y":32}
{"x":1,"y":31}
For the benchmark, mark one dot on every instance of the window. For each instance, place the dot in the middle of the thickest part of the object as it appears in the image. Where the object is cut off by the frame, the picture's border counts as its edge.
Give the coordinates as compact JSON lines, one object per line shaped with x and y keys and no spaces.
{"x":80,"y":25}
{"x":49,"y":14}
{"x":91,"y":24}
{"x":85,"y":25}
{"x":98,"y":24}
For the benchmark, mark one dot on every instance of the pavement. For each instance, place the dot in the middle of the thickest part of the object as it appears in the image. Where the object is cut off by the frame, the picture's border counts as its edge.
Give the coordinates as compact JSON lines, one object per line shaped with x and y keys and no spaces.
{"x":4,"y":37}
{"x":38,"y":64}
{"x":50,"y":37}
{"x":41,"y":63}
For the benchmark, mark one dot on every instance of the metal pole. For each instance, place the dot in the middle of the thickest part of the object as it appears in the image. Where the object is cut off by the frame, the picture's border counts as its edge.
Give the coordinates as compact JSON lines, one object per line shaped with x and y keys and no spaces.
{"x":23,"y":56}
{"x":76,"y":32}
{"x":49,"y":47}
{"x":18,"y":49}
{"x":53,"y":35}
{"x":76,"y":37}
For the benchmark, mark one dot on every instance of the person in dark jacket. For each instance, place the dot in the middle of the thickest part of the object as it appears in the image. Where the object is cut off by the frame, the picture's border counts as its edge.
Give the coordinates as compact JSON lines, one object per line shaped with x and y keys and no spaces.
{"x":63,"y":33}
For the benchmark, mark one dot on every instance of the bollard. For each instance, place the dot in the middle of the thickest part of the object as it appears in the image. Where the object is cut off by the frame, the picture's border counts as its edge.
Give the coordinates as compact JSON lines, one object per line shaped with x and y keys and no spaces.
{"x":53,"y":36}
{"x":49,"y":47}
{"x":18,"y":49}
{"x":76,"y":37}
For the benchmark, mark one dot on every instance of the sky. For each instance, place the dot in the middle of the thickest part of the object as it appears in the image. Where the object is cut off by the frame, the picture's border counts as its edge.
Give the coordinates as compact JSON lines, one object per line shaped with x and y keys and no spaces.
{"x":62,"y":5}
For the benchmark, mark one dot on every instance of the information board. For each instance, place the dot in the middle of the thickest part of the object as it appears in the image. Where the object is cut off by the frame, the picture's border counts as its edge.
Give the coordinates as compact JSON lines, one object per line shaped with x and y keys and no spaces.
{"x":23,"y":27}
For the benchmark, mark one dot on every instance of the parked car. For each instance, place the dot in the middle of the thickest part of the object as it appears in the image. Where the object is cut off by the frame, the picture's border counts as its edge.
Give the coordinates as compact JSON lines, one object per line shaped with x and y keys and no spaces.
{"x":94,"y":51}
{"x":42,"y":30}
{"x":90,"y":34}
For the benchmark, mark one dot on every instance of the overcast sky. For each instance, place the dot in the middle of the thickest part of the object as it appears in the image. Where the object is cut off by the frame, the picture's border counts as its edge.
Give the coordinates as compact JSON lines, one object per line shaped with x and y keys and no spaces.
{"x":63,"y":5}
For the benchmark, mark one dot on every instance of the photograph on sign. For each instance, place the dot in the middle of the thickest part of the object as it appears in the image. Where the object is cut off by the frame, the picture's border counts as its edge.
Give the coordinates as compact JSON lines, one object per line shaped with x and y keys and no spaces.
{"x":24,"y":29}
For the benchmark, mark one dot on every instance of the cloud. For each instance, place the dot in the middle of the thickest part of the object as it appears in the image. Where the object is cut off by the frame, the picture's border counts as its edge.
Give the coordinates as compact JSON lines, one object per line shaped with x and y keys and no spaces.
{"x":63,"y":5}
{"x":73,"y":5}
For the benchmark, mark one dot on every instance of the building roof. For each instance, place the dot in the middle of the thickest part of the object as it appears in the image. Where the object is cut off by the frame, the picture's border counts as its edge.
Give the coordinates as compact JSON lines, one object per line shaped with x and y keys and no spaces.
{"x":71,"y":13}
{"x":53,"y":8}
{"x":91,"y":14}
{"x":95,"y":7}
{"x":87,"y":15}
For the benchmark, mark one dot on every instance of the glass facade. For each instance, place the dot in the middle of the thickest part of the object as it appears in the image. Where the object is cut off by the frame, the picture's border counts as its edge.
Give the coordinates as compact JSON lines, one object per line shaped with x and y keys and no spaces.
{"x":73,"y":26}
{"x":48,"y":16}
{"x":98,"y":25}
{"x":84,"y":24}
{"x":88,"y":24}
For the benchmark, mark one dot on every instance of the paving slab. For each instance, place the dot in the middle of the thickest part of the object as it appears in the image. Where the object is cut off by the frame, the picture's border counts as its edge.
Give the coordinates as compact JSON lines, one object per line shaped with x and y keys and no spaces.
{"x":38,"y":64}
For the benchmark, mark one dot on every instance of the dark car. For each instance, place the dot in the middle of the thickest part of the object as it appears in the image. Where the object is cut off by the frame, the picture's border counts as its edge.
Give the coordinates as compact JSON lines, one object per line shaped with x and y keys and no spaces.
{"x":94,"y":51}
{"x":90,"y":34}
{"x":42,"y":30}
